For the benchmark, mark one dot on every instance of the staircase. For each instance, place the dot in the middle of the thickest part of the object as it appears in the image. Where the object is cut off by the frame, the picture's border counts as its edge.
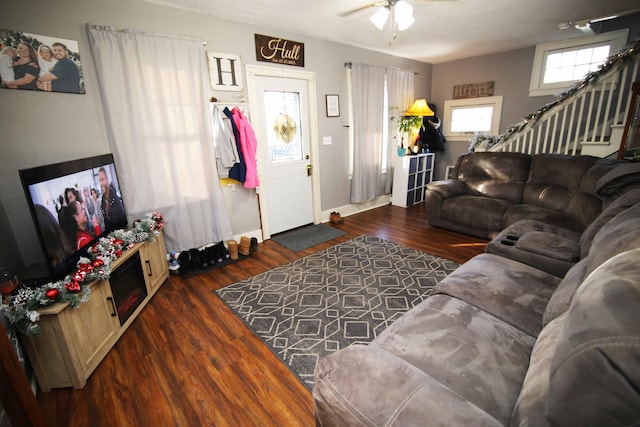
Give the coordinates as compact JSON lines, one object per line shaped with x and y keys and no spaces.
{"x":587,"y":119}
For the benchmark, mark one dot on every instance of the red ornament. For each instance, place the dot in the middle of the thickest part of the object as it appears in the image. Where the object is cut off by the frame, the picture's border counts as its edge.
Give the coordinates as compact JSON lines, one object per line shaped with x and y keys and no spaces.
{"x":97,"y":263}
{"x":118,"y":252}
{"x":52,"y":294}
{"x":72,"y":286}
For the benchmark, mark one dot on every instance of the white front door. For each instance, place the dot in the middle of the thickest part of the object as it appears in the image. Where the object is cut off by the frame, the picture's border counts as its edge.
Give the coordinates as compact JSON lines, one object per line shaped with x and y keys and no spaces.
{"x":281,"y":119}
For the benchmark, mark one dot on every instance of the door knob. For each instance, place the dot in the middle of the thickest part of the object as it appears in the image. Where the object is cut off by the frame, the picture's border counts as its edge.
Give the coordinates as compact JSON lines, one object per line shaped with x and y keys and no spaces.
{"x":308,"y":170}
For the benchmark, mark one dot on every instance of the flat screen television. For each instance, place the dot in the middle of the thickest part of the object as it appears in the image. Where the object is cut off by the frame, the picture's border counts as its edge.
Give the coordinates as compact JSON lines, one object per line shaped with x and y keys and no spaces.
{"x":73,"y":204}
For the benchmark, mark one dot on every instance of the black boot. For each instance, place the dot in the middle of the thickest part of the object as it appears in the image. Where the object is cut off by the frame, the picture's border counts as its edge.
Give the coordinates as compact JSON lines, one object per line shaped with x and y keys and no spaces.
{"x":184,"y":260}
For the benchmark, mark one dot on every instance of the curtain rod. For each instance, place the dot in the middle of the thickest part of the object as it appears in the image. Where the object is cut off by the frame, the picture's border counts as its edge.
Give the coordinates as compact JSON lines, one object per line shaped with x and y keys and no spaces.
{"x":229,"y":103}
{"x":349,"y":64}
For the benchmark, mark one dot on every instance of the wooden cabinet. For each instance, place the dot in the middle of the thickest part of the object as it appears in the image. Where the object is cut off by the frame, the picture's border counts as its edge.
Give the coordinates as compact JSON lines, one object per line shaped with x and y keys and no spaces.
{"x":74,"y":341}
{"x":154,"y":263}
{"x":410,"y":178}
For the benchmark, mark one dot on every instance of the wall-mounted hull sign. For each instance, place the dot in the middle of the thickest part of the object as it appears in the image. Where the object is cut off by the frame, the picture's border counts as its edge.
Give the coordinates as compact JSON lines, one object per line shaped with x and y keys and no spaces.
{"x":279,"y":51}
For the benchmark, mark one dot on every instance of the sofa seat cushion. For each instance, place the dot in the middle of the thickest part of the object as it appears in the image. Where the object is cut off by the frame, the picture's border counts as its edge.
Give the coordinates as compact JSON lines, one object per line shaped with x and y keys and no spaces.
{"x":475,"y":211}
{"x":510,"y":290}
{"x":538,"y":213}
{"x":537,"y":244}
{"x":445,"y":362}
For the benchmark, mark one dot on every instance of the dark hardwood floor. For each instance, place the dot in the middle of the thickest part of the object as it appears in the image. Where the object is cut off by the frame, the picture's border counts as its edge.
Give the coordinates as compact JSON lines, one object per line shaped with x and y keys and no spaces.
{"x":187,"y":360}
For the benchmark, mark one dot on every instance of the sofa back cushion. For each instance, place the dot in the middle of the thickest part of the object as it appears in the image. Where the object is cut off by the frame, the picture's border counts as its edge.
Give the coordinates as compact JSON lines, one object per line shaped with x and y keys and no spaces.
{"x":584,"y":365}
{"x":625,"y":176}
{"x":562,"y":295}
{"x":616,"y":236}
{"x":616,"y":230}
{"x":594,"y":377}
{"x":620,"y":204}
{"x":496,"y":175}
{"x":554,"y":179}
{"x":586,"y":204}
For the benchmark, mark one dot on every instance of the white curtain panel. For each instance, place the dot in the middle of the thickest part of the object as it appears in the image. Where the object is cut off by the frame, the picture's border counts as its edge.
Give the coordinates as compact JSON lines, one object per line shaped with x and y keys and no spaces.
{"x":154,"y":90}
{"x":368,"y":104}
{"x":400,"y":88}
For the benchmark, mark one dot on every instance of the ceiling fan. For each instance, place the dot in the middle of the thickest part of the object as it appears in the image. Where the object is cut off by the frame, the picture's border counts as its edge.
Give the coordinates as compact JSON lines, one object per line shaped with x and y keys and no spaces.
{"x":399,"y":13}
{"x":585,"y":24}
{"x":388,"y":4}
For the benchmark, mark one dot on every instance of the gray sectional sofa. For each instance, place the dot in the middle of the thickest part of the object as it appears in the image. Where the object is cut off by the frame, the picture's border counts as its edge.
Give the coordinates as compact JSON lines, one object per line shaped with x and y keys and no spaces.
{"x":490,"y":191}
{"x":503,"y":342}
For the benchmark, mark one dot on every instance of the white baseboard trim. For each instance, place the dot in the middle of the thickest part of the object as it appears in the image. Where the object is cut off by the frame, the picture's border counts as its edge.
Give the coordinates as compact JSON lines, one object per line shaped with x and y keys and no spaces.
{"x":345,"y":210}
{"x":355,"y":208}
{"x":255,"y":233}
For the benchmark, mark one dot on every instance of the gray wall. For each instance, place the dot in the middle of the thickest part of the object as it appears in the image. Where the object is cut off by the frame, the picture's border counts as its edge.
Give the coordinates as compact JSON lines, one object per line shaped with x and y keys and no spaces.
{"x":39,"y":128}
{"x":511,"y":72}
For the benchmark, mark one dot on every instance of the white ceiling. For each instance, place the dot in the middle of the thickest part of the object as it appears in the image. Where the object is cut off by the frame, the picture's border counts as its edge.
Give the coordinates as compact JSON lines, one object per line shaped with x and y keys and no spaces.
{"x":444,"y":30}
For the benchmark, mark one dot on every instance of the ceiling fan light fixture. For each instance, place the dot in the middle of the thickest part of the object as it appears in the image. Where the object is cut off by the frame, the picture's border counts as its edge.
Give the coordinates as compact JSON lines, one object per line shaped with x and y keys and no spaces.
{"x":404,"y":15}
{"x":404,"y":23}
{"x":401,"y":14}
{"x":380,"y":18}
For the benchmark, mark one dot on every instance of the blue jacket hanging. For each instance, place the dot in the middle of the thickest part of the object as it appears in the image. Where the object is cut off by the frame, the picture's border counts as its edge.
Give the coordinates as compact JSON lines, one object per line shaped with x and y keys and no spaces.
{"x":239,"y":170}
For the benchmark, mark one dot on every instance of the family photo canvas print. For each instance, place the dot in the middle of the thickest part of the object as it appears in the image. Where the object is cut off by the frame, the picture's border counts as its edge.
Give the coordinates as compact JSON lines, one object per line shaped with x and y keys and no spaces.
{"x":38,"y":62}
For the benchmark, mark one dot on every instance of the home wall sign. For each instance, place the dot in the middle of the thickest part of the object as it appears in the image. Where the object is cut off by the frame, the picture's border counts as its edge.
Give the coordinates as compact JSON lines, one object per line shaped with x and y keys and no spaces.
{"x":473,"y":90}
{"x":225,"y":71}
{"x":279,"y":51}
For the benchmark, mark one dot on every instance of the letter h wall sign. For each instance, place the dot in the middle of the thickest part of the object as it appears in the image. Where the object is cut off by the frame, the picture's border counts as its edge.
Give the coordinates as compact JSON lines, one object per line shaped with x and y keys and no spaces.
{"x":225,"y":72}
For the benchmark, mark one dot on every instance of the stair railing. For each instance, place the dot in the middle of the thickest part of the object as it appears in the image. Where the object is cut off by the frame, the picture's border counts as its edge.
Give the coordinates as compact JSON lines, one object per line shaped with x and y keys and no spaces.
{"x":582,"y":115}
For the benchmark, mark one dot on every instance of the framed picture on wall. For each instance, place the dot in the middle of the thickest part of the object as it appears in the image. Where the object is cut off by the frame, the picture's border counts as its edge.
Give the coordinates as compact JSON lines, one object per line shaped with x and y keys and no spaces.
{"x":333,"y":105}
{"x":40,"y":63}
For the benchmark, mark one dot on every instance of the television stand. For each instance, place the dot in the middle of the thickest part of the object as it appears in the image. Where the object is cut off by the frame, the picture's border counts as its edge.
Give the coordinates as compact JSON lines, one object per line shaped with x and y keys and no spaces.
{"x":73,"y":342}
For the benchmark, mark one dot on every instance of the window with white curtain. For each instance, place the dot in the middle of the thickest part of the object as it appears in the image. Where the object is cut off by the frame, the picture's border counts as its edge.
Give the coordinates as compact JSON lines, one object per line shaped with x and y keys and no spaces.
{"x":372,"y":90}
{"x":157,"y":118}
{"x":385,"y":135}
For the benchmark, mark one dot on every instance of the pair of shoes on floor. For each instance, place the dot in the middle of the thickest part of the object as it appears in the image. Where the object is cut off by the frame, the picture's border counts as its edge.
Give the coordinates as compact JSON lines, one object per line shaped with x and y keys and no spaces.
{"x":245,"y":247}
{"x":334,"y":218}
{"x":202,"y":258}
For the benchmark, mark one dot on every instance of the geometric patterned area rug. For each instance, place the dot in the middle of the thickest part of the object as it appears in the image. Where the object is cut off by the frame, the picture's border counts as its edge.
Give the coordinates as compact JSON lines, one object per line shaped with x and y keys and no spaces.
{"x":336,"y":297}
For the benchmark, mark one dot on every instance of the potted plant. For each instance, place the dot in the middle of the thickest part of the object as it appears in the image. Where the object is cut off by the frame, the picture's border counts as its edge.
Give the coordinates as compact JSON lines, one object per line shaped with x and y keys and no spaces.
{"x":408,"y":128}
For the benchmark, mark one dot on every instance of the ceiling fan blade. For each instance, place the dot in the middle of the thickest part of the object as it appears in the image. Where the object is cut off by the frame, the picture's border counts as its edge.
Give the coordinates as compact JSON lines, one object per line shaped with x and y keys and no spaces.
{"x":361,"y":8}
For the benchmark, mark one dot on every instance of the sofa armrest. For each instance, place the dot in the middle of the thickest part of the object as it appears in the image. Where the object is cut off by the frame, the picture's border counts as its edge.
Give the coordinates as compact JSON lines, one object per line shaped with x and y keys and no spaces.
{"x":447,"y":188}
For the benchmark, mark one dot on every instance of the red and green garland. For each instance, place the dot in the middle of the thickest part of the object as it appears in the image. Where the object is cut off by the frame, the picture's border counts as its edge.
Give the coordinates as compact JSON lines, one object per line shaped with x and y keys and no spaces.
{"x":21,"y":310}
